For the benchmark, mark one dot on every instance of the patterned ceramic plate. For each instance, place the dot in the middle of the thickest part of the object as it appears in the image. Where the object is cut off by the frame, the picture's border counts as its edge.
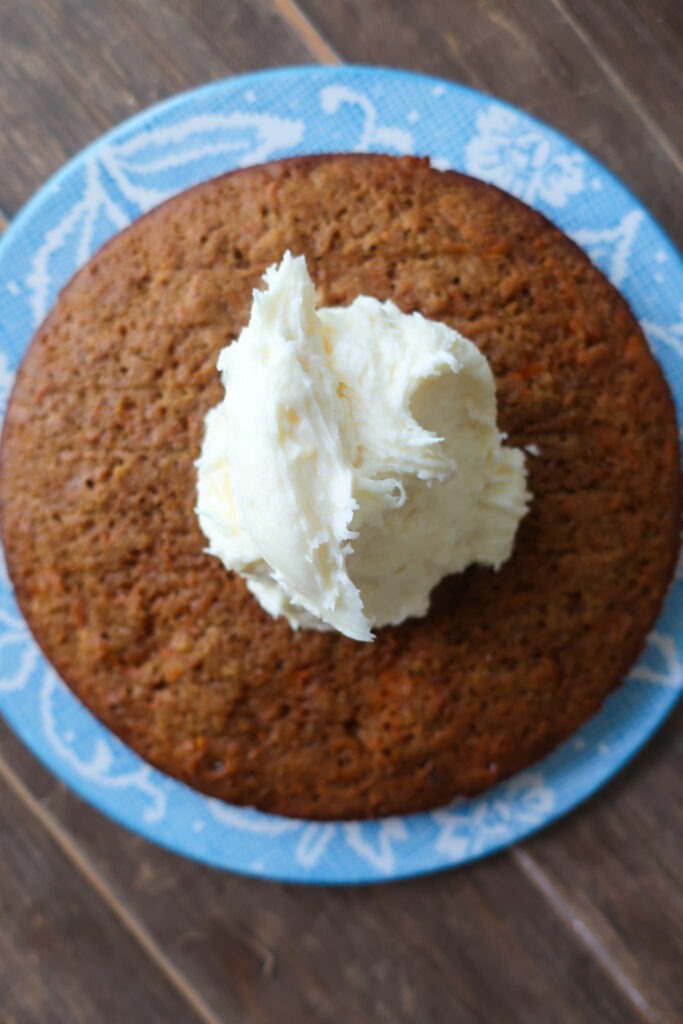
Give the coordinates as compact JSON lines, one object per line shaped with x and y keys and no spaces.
{"x":248,"y":120}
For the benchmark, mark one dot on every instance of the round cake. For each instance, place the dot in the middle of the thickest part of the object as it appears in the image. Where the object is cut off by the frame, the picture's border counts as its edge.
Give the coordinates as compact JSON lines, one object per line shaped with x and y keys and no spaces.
{"x":173,"y":653}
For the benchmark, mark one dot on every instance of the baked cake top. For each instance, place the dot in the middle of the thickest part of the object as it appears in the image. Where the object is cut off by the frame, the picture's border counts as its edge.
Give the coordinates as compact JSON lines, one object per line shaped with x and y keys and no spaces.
{"x":171,"y":651}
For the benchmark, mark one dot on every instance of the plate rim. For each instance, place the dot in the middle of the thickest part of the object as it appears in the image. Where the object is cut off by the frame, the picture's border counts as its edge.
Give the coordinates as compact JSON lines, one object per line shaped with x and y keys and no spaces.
{"x":581,"y":794}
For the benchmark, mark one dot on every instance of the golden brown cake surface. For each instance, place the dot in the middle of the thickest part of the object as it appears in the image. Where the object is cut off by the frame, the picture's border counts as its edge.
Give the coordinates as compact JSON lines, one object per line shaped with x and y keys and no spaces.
{"x":173,"y":653}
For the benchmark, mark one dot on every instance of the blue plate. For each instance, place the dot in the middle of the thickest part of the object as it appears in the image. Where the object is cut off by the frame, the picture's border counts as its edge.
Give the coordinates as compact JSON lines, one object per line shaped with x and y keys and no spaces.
{"x":265,"y":116}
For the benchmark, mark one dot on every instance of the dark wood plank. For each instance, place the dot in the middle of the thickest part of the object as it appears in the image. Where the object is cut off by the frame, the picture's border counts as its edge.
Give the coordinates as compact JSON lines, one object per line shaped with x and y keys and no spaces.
{"x":69,"y":70}
{"x":618,"y":863}
{"x":478,"y":946}
{"x":642,"y":45}
{"x":524,"y":51}
{"x":54,"y":927}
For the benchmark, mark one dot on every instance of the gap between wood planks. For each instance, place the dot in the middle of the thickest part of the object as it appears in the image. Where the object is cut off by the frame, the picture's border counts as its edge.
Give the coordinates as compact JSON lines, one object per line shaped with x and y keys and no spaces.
{"x":97,"y":883}
{"x":588,"y":939}
{"x":631,"y":97}
{"x":306,"y":30}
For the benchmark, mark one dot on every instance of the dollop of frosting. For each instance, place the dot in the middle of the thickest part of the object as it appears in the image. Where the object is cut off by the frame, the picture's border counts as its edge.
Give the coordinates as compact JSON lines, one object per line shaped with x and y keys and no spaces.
{"x":354,"y":460}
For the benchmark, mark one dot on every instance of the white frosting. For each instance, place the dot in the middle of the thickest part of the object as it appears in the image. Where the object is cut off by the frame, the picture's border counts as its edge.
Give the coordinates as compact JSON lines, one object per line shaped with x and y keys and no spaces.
{"x":354,"y":460}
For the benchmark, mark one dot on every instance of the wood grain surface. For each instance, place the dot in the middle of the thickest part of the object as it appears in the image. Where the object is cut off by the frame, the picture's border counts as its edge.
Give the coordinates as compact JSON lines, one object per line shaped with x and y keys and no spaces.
{"x":579,"y":924}
{"x":64,"y":955}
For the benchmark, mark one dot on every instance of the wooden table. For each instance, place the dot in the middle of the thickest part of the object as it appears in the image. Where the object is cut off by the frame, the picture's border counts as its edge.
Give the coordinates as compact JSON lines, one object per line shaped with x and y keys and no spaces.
{"x":583,"y":923}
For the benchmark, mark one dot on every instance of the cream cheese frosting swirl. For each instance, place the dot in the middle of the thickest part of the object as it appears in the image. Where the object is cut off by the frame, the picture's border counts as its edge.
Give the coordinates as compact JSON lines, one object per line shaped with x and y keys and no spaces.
{"x":354,"y":460}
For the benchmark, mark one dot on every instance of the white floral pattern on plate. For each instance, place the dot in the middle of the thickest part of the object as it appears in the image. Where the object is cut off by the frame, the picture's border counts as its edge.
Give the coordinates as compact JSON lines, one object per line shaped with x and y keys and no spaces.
{"x":233,"y":124}
{"x":661,"y":663}
{"x":373,"y":135}
{"x":523,"y":160}
{"x":100,"y":767}
{"x":610,"y":247}
{"x":127,"y":179}
{"x":526,"y":797}
{"x":18,"y":653}
{"x":6,"y":382}
{"x":671,"y":334}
